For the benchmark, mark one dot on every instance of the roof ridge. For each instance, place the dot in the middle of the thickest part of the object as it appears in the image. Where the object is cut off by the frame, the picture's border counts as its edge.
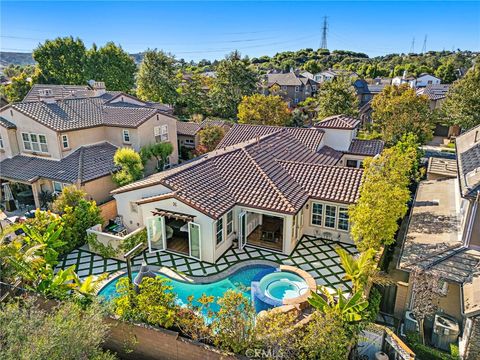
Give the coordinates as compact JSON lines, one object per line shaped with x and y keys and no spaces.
{"x":269,"y":180}
{"x":80,"y":165}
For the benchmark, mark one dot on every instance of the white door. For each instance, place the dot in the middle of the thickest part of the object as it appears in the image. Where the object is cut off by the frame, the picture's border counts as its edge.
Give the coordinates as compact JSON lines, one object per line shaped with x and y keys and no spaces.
{"x":195,"y":243}
{"x":242,"y":230}
{"x":156,"y":233}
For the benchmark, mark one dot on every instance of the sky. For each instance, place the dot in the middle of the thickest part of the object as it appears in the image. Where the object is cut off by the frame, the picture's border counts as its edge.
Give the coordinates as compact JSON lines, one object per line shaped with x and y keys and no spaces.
{"x":209,"y":30}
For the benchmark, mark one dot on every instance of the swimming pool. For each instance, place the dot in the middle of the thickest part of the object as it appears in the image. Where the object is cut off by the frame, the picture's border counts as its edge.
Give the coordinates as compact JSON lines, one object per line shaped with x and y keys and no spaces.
{"x":239,"y":281}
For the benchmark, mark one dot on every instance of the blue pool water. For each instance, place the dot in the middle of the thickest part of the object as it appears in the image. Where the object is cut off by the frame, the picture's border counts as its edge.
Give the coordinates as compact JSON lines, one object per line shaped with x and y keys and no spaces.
{"x":239,"y":281}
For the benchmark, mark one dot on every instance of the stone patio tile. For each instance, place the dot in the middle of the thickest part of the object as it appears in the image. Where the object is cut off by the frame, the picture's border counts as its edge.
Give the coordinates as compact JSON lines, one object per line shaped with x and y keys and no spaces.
{"x":329,"y":262}
{"x":182,"y":268}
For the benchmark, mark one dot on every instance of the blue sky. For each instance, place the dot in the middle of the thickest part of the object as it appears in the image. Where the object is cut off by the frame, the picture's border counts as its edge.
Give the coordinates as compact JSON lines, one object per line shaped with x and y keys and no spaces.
{"x":196,"y":30}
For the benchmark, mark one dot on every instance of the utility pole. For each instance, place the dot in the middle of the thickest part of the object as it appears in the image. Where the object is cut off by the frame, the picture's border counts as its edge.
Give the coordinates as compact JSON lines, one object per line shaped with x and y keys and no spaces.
{"x":424,"y":47}
{"x":412,"y":47}
{"x":323,"y":45}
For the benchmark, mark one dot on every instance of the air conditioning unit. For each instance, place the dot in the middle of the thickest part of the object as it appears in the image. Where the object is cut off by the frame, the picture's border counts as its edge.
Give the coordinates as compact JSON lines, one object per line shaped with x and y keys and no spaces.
{"x":445,"y":331}
{"x":411,"y":324}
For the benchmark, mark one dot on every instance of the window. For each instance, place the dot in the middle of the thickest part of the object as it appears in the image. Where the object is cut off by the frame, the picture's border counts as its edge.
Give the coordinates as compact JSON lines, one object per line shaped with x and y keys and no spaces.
{"x":229,"y":222}
{"x":296,"y":101}
{"x":352,"y":163}
{"x":1,"y":142}
{"x":167,"y":163}
{"x":284,"y":88}
{"x":58,"y":187}
{"x":314,"y":87}
{"x":343,"y":219}
{"x":161,"y":132}
{"x":330,"y":216}
{"x":35,"y":142}
{"x":297,"y":88}
{"x":317,"y":214}
{"x":189,"y":142}
{"x":65,"y":142}
{"x":219,"y":230}
{"x":126,"y":136}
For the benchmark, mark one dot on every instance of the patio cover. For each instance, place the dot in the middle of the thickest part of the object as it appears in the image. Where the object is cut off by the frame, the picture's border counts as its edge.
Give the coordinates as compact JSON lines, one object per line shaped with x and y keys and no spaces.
{"x":172,"y":214}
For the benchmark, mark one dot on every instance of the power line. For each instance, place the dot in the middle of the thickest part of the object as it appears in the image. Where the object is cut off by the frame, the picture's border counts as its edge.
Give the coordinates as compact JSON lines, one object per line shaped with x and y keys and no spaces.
{"x":323,"y":45}
{"x":424,"y":47}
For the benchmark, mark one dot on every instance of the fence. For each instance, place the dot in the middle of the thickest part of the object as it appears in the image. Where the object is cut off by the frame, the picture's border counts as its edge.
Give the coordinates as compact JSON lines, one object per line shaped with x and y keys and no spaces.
{"x":108,"y":210}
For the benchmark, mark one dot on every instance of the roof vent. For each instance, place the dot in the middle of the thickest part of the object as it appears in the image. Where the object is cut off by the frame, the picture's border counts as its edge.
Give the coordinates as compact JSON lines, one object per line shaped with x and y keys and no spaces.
{"x":46,"y":95}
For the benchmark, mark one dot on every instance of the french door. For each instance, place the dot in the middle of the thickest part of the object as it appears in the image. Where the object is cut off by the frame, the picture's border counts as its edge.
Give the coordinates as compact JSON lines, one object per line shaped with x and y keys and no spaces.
{"x":156,"y":233}
{"x":195,"y":243}
{"x":242,"y":230}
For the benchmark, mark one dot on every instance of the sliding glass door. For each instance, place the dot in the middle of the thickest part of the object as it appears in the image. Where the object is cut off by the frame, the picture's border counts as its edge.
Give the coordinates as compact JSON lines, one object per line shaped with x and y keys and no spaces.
{"x":194,"y":240}
{"x":156,"y":233}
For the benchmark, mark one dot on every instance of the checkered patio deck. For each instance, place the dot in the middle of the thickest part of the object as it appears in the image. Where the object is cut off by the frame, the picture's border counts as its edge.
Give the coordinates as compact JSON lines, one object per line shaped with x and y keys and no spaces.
{"x":314,"y":255}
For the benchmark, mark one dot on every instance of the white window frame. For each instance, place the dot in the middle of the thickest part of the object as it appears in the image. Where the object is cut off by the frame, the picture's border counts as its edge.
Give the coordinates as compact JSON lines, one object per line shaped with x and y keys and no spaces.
{"x":340,"y":212}
{"x":65,"y":141}
{"x":162,"y":132}
{"x":189,"y":142}
{"x":62,"y":185}
{"x":1,"y":142}
{"x":219,"y":232}
{"x":35,"y":143}
{"x":319,"y":215}
{"x":335,"y":217}
{"x":126,"y":139}
{"x":229,"y":223}
{"x":322,"y":216}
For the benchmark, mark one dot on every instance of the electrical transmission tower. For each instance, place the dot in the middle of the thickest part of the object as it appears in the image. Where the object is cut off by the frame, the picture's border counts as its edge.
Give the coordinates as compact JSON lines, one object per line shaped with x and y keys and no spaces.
{"x":412,"y":47}
{"x":323,"y":45}
{"x":424,"y":47}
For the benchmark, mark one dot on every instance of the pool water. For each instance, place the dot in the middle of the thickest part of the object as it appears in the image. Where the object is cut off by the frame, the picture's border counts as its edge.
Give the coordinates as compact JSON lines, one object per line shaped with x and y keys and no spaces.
{"x":283,"y":285}
{"x":239,"y":281}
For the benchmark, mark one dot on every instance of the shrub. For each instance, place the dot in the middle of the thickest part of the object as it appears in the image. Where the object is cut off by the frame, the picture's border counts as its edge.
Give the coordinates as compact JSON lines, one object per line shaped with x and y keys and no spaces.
{"x":425,"y":352}
{"x":191,"y":321}
{"x":106,"y":251}
{"x":130,"y":164}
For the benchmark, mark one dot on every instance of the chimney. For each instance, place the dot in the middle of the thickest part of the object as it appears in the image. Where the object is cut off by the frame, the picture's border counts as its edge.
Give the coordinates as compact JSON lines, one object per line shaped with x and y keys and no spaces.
{"x":98,"y":88}
{"x":46,"y":95}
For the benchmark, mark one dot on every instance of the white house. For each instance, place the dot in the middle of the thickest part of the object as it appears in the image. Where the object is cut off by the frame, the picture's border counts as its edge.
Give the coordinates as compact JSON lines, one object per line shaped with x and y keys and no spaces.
{"x":426,"y":79}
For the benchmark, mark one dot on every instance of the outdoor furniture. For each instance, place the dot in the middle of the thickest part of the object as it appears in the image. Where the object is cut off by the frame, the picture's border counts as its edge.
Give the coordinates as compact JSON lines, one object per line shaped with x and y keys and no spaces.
{"x":271,"y":230}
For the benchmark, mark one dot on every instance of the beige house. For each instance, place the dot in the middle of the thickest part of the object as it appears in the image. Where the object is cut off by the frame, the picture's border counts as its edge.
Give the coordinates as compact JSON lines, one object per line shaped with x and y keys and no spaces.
{"x":443,"y":237}
{"x":264,"y":186}
{"x":293,"y":87}
{"x":57,"y":129}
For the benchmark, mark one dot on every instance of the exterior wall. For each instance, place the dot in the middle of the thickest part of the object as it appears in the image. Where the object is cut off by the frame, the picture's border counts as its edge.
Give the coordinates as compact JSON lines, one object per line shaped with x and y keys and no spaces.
{"x":316,"y":230}
{"x":425,"y":80}
{"x":181,"y":141}
{"x":338,"y":139}
{"x":114,"y":135}
{"x":346,"y":157}
{"x":475,"y":235}
{"x":451,"y":303}
{"x":82,"y":137}
{"x":10,"y":144}
{"x":108,"y":210}
{"x":26,"y":124}
{"x":99,"y":189}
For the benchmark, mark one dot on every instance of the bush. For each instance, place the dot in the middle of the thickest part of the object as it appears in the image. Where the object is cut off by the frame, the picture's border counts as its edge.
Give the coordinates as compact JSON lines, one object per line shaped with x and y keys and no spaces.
{"x":425,"y":352}
{"x":130,"y":164}
{"x":66,"y":332}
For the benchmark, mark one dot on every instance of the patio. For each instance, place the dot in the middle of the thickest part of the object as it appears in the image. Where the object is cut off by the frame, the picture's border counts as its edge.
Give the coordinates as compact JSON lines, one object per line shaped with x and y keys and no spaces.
{"x":314,"y":255}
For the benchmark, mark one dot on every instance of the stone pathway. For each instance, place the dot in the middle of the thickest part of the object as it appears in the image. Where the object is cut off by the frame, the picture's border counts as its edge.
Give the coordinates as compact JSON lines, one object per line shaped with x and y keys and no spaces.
{"x":314,"y":255}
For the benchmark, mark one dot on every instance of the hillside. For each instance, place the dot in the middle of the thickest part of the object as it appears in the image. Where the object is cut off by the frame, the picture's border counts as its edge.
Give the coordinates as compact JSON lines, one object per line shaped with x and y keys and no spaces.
{"x":15,"y":58}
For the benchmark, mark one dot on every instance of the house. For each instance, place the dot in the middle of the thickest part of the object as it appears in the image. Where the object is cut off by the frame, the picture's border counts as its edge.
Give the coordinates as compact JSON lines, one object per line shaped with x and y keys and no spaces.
{"x":443,"y":237}
{"x":330,"y":74}
{"x":68,"y":134}
{"x":366,"y":91}
{"x":266,"y":192}
{"x":187,"y":131}
{"x":404,"y":79}
{"x":264,"y":186}
{"x":425,"y":79}
{"x":293,"y":87}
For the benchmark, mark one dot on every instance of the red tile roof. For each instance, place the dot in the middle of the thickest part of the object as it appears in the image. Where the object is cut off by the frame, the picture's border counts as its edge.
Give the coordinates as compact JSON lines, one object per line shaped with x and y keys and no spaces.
{"x":343,"y":122}
{"x":365,"y":147}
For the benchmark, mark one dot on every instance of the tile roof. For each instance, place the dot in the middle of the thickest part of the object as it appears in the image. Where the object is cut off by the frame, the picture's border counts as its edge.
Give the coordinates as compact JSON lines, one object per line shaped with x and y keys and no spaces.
{"x":434,"y":92}
{"x":84,"y":164}
{"x":240,"y":133}
{"x":442,"y":166}
{"x":365,"y":147}
{"x":259,"y":174}
{"x":7,"y":124}
{"x":59,"y":92}
{"x":287,"y":79}
{"x":72,"y":114}
{"x":343,"y":122}
{"x":190,"y":128}
{"x":468,"y":159}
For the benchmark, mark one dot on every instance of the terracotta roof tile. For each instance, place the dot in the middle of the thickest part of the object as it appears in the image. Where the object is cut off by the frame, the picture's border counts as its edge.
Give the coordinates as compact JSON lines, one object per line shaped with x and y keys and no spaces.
{"x":339,"y":122}
{"x":366,"y":147}
{"x":7,"y":124}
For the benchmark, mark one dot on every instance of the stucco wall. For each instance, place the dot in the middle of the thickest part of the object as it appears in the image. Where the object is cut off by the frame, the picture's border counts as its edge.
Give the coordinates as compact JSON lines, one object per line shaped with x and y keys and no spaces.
{"x":10,"y":144}
{"x":338,"y":139}
{"x":346,"y":157}
{"x":82,"y":137}
{"x":99,"y":189}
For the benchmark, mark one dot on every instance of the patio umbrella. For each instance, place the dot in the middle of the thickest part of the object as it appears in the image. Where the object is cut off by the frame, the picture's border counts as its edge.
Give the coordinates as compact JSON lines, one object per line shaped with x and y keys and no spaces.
{"x":144,"y":272}
{"x":9,"y":199}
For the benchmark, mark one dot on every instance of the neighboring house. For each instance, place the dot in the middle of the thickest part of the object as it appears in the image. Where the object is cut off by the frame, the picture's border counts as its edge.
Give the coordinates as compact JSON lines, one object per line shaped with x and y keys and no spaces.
{"x":293,"y":87}
{"x":330,"y":74}
{"x":436,"y":95}
{"x":404,"y":79}
{"x":422,"y":80}
{"x":266,"y":192}
{"x":366,"y":91}
{"x":187,"y":131}
{"x":58,"y":125}
{"x":307,"y":74}
{"x":443,"y":237}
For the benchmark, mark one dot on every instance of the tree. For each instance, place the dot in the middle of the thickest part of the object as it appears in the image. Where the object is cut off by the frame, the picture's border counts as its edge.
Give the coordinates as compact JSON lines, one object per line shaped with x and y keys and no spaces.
{"x":359,"y":270}
{"x":160,"y":151}
{"x":18,"y":88}
{"x":446,"y":72}
{"x":28,"y":332}
{"x":462,"y":105}
{"x":398,"y":110}
{"x":192,"y":96}
{"x":384,"y":194}
{"x":130,"y":166}
{"x":78,"y":215}
{"x":337,"y":97}
{"x":263,"y":110}
{"x":61,"y":61}
{"x":156,"y":79}
{"x":234,"y":79}
{"x":210,"y":136}
{"x":112,"y":65}
{"x":312,"y":66}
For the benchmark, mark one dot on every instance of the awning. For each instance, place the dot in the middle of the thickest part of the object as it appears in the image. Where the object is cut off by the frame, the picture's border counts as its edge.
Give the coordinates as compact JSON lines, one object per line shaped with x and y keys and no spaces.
{"x":172,"y":214}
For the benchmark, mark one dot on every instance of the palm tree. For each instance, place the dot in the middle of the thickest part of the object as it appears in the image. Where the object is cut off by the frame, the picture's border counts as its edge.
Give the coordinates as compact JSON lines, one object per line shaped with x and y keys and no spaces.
{"x":349,"y":309}
{"x":86,"y":289}
{"x":50,"y":239}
